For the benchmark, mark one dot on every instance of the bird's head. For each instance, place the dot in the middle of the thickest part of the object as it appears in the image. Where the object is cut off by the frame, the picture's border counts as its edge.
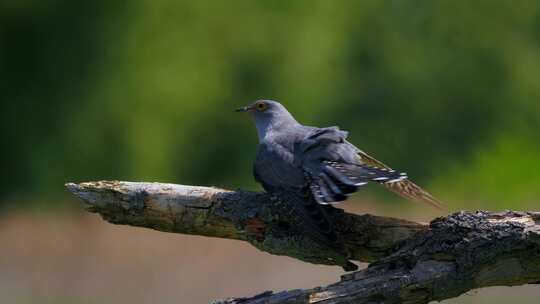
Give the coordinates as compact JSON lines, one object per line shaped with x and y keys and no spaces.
{"x":263,"y":108}
{"x":268,"y":115}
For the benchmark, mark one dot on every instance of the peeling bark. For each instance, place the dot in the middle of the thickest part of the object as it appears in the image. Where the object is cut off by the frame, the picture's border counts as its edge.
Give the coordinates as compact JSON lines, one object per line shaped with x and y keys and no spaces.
{"x":412,"y":262}
{"x":458,"y":253}
{"x":256,"y":218}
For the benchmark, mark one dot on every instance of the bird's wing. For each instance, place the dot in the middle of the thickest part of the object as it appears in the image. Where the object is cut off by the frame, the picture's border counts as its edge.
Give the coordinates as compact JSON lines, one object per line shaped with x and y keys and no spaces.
{"x":332,"y":167}
{"x":405,"y":188}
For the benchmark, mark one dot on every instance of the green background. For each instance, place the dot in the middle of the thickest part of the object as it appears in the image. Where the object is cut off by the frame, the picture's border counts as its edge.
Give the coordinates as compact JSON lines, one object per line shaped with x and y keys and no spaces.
{"x":447,"y":91}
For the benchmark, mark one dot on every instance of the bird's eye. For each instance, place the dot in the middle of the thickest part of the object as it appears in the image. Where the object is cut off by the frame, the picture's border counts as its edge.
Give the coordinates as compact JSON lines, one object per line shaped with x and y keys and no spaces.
{"x":261,"y":106}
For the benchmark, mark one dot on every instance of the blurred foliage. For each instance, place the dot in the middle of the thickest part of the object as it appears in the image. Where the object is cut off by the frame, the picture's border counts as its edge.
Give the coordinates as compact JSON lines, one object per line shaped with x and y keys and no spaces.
{"x":144,"y":90}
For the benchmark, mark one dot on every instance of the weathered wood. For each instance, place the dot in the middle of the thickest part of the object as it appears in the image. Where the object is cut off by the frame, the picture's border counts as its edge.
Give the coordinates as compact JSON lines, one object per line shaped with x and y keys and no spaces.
{"x":458,"y":253}
{"x":254,"y":217}
{"x":412,"y":262}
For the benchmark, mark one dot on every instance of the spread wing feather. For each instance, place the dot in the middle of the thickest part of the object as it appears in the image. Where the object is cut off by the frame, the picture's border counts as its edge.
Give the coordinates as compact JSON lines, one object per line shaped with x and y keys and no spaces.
{"x":332,"y":167}
{"x":405,"y":188}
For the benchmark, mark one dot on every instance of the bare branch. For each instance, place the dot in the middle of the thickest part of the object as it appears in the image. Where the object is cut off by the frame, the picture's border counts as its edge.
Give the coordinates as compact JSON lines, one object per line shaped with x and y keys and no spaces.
{"x":248,"y":216}
{"x":458,"y":253}
{"x":412,"y":262}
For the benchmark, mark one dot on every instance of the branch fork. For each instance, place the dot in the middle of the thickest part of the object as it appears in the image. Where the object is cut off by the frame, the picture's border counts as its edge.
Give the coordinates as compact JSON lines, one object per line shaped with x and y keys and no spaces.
{"x":410,"y":262}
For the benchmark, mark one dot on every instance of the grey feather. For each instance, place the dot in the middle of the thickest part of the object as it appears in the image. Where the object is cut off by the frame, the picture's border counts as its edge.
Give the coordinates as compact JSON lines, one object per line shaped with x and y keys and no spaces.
{"x":301,"y":158}
{"x":318,"y":164}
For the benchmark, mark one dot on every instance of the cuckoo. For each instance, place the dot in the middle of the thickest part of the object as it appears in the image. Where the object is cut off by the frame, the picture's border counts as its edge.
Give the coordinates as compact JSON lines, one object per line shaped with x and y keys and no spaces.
{"x":312,"y":166}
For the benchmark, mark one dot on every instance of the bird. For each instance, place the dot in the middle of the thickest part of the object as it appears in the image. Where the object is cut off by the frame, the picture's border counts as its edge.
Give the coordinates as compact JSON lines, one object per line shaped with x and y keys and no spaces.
{"x":318,"y":162}
{"x":313,"y":168}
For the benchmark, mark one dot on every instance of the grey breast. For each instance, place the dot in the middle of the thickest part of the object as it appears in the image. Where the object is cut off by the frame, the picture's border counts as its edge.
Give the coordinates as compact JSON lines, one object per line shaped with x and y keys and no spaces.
{"x":275,"y":165}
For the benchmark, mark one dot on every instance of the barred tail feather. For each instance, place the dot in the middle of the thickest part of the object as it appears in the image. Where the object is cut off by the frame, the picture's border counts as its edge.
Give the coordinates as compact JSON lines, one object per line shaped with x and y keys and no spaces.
{"x":405,"y":188}
{"x":413,"y":192}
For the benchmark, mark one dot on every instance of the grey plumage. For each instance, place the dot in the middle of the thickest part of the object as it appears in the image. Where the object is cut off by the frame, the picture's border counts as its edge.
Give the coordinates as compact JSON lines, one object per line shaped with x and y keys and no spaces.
{"x":298,"y":158}
{"x":312,"y":167}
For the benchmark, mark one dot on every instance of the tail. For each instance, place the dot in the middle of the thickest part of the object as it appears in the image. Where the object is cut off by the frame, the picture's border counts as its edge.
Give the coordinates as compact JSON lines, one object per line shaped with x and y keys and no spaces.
{"x":337,"y":180}
{"x":405,"y":188}
{"x":415,"y":193}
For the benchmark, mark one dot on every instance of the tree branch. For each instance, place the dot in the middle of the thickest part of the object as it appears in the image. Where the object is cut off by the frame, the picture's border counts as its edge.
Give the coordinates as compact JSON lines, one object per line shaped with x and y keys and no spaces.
{"x":414,"y":263}
{"x":458,"y":253}
{"x":253,"y":217}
